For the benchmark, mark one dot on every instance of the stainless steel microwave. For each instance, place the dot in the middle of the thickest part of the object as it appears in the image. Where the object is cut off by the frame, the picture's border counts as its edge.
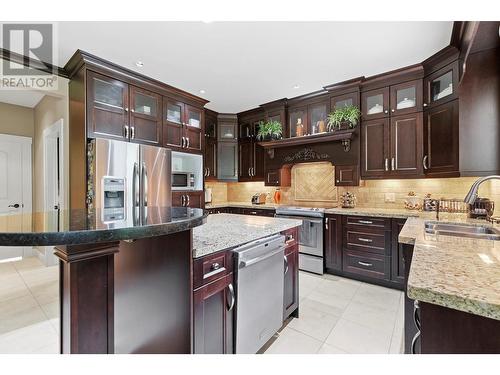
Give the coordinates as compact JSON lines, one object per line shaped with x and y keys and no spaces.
{"x":183,"y":181}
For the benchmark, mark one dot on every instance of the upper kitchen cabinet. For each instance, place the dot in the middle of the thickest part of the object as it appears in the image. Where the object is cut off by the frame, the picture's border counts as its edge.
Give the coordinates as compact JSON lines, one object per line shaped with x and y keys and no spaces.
{"x":375,"y":147}
{"x":441,"y":140}
{"x":251,"y":155}
{"x":227,"y":147}
{"x":182,"y":126}
{"x":108,"y":107}
{"x":346,"y":100}
{"x":375,"y":103}
{"x":145,"y":116}
{"x":277,"y":111}
{"x":210,"y":151}
{"x":210,"y":124}
{"x":307,"y":115}
{"x":406,"y":97}
{"x":227,"y":127}
{"x":441,"y":86}
{"x":297,"y":121}
{"x":344,"y":94}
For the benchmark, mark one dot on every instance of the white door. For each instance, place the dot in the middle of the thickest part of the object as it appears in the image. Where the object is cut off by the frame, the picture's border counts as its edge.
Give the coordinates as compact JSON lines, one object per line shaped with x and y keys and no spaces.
{"x":15,"y":206}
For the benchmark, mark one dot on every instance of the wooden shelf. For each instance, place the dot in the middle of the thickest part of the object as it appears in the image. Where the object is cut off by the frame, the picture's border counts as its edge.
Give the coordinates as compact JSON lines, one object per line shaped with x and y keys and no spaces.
{"x":341,"y":135}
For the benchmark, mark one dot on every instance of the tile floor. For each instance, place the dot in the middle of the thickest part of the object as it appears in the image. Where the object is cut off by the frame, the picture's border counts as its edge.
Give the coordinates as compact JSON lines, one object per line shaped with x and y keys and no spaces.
{"x":337,"y":315}
{"x":341,"y":316}
{"x":29,"y":307}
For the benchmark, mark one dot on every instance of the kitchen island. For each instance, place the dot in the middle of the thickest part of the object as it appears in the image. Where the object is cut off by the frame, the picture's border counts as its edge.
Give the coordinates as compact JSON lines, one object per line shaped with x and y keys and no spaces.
{"x":455,"y":283}
{"x":125,"y":287}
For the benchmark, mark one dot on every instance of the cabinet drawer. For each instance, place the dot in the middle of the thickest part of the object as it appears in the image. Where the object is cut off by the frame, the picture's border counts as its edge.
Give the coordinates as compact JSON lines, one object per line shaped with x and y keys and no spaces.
{"x":369,"y":222}
{"x":373,"y":241}
{"x":258,"y":212}
{"x":211,"y":267}
{"x":366,"y":264}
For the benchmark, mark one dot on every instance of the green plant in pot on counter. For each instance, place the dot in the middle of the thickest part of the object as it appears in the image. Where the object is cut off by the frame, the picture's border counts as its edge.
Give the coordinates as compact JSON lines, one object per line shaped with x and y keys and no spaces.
{"x":270,"y":130}
{"x":348,"y":115}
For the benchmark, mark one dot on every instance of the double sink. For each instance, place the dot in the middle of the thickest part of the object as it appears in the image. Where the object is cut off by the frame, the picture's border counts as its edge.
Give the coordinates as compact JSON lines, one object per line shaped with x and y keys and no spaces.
{"x":462,"y":230}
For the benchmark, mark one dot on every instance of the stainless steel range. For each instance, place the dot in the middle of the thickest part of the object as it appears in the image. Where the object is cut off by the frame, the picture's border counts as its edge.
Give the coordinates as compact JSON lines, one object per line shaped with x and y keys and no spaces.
{"x":310,"y":235}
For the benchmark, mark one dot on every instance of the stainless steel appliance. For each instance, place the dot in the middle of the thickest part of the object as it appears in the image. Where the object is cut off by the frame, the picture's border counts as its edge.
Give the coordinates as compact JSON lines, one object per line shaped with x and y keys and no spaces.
{"x":128,"y":178}
{"x":259,"y":198}
{"x":259,"y":292}
{"x":310,"y":235}
{"x":183,"y":181}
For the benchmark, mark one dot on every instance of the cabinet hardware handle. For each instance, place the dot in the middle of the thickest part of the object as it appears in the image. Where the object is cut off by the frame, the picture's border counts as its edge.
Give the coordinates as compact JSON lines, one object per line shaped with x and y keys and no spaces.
{"x":182,"y":142}
{"x":209,"y":171}
{"x":393,"y":110}
{"x":126,"y":109}
{"x":214,"y":272}
{"x":132,"y":110}
{"x":286,"y":264}
{"x":16,"y":205}
{"x":253,"y":212}
{"x":205,"y":173}
{"x":386,"y":111}
{"x":289,"y":238}
{"x":386,"y":164}
{"x":249,"y":172}
{"x":393,"y":164}
{"x":424,"y":162}
{"x":187,"y":140}
{"x":126,"y":131}
{"x":132,"y":132}
{"x":188,"y":199}
{"x":364,"y":239}
{"x":365,"y":264}
{"x":183,"y":197}
{"x":425,"y":104}
{"x":416,"y":320}
{"x":365,"y":222}
{"x":231,"y":303}
{"x":215,"y":266}
{"x":326,"y":223}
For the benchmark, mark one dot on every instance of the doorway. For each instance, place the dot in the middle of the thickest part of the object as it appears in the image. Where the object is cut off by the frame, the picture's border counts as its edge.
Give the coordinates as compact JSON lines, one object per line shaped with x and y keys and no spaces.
{"x":15,"y":191}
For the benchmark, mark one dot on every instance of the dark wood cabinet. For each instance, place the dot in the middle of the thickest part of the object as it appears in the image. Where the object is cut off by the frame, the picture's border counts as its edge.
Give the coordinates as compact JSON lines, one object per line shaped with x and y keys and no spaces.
{"x":406,"y":97}
{"x":441,"y":140}
{"x":308,"y":119}
{"x":145,"y":116}
{"x":397,"y":256}
{"x":406,"y":145}
{"x":251,"y":155}
{"x":291,"y":282}
{"x":245,"y":160}
{"x":210,"y":159}
{"x":346,"y":175}
{"x":344,"y":100}
{"x":441,"y":86}
{"x":333,"y":242}
{"x":375,"y":148}
{"x":193,"y":199}
{"x":278,"y":177}
{"x":182,"y":126}
{"x":375,"y":103}
{"x":107,"y":107}
{"x":213,"y":309}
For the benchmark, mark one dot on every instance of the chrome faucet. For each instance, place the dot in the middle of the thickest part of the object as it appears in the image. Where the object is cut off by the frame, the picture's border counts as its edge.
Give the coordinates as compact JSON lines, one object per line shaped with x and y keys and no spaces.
{"x":471,"y":196}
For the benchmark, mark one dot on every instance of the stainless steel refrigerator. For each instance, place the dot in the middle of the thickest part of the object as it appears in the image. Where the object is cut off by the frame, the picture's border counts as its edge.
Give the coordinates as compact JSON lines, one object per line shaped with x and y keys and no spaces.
{"x":129,"y":179}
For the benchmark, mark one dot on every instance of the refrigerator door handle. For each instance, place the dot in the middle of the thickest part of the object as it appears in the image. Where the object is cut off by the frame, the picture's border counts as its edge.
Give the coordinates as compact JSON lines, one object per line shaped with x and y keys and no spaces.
{"x":144,"y":185}
{"x":135,"y":192}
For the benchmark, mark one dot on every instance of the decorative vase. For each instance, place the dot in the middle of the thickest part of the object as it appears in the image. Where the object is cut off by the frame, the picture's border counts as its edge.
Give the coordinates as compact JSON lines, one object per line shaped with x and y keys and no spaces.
{"x":321,"y":126}
{"x":277,"y":196}
{"x":299,"y":128}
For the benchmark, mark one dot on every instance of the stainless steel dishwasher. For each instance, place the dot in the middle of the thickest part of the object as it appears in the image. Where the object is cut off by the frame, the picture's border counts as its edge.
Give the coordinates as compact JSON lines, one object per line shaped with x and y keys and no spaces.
{"x":259,"y":292}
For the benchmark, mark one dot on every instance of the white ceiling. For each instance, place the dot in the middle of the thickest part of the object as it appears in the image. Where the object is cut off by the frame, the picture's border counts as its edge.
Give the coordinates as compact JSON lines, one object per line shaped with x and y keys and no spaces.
{"x":24,"y":98}
{"x":243,"y":64}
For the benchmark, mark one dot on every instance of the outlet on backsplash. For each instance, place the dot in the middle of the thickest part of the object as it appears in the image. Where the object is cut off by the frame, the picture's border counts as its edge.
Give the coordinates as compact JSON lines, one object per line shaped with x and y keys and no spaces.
{"x":390,"y":198}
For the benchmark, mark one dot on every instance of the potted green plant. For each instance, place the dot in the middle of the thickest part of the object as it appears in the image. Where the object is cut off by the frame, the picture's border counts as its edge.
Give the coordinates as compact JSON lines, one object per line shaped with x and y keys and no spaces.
{"x":270,"y":130}
{"x":345,"y":116}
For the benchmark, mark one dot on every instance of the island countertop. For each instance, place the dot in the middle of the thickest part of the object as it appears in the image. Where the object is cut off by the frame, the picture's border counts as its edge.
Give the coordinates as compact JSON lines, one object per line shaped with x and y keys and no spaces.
{"x":454,"y":272}
{"x":226,"y":231}
{"x":83,"y":228}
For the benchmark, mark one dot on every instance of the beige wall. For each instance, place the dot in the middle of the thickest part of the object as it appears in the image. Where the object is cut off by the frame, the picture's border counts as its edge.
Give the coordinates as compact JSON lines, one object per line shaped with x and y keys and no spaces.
{"x":16,"y":120}
{"x":370,"y":193}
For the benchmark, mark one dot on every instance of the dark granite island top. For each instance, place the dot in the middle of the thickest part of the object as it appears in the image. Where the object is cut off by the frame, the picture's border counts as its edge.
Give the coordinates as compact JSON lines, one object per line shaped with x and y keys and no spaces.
{"x":85,"y":229}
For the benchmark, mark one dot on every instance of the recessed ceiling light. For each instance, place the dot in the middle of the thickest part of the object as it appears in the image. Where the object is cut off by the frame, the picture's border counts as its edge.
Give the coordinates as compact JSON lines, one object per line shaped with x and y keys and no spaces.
{"x":139,"y":64}
{"x":296,"y":87}
{"x":202,"y":91}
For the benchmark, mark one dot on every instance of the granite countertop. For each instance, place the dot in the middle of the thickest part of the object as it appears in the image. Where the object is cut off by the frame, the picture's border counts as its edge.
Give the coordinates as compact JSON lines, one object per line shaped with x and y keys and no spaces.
{"x":226,"y":231}
{"x":454,"y":272}
{"x":265,"y":206}
{"x":400,"y":213}
{"x":82,"y":228}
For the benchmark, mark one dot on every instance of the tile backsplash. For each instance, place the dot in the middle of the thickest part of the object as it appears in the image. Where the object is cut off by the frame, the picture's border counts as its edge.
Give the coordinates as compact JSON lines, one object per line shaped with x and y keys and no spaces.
{"x":370,"y":193}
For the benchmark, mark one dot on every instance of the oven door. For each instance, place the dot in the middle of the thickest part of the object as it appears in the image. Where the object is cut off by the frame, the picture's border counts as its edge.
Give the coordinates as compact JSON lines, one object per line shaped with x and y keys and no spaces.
{"x":310,"y":235}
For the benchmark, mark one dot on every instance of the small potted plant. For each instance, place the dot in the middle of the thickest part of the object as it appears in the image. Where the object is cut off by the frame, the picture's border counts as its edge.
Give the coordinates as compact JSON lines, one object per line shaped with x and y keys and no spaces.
{"x":347,"y":116}
{"x":270,"y":130}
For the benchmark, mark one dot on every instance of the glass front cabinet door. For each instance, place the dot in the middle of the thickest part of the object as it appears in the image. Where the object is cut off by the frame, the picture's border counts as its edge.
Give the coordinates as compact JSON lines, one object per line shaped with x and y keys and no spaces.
{"x":375,"y":103}
{"x":406,"y":97}
{"x":173,"y":117}
{"x":317,"y":118}
{"x":145,"y":116}
{"x":297,"y":123}
{"x":441,"y":86}
{"x":108,"y":109}
{"x":193,"y":128}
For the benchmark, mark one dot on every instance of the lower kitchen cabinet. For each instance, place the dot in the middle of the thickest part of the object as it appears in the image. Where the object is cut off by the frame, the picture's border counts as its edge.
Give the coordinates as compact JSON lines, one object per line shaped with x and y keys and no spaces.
{"x":333,"y":242}
{"x":365,"y":248}
{"x":291,"y":285}
{"x":193,"y":199}
{"x":213,"y":309}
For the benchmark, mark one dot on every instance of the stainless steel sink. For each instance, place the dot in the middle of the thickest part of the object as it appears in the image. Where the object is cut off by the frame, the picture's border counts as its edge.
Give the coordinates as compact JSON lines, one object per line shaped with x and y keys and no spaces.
{"x":462,"y":230}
